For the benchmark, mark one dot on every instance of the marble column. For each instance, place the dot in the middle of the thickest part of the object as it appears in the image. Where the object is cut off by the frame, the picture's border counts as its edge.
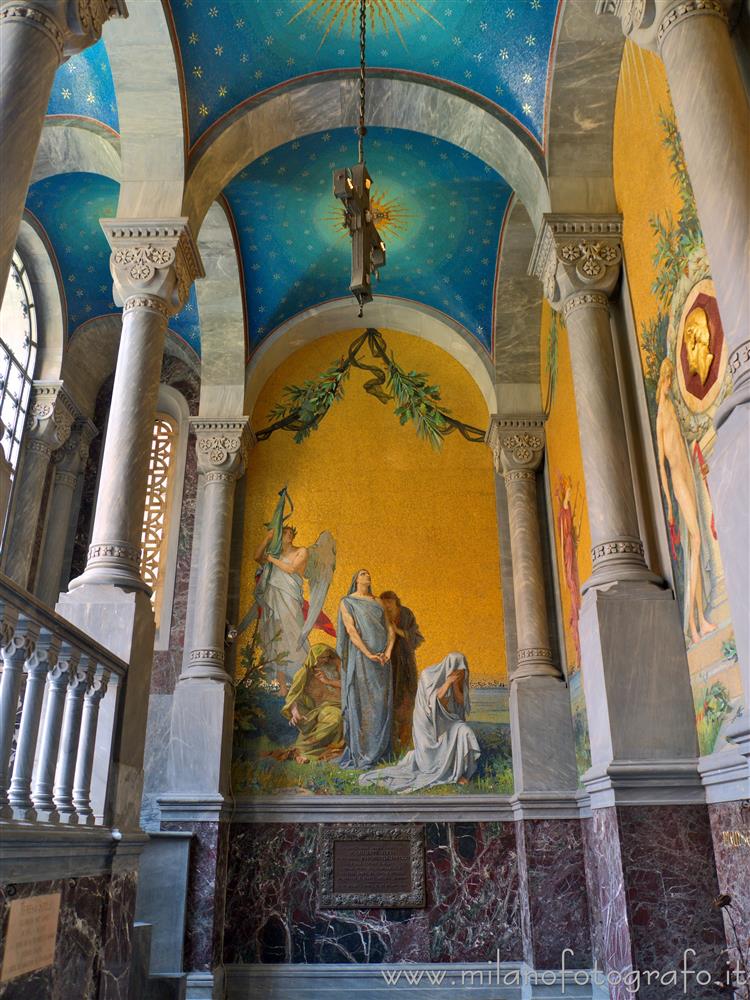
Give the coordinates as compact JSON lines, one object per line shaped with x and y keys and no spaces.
{"x":36,"y":36}
{"x":49,"y":423}
{"x":69,"y":462}
{"x":538,"y":694}
{"x":693,"y":39}
{"x":647,"y":802}
{"x":153,"y":265}
{"x":634,"y":665}
{"x":545,"y":776}
{"x":200,"y":745}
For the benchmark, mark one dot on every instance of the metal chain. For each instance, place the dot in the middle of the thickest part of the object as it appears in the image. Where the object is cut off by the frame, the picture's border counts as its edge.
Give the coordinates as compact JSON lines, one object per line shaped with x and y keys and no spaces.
{"x":362,"y":131}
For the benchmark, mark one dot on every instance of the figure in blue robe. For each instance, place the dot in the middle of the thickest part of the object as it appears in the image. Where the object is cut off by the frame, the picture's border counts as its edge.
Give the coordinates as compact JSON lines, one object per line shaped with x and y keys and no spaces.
{"x":364,"y":642}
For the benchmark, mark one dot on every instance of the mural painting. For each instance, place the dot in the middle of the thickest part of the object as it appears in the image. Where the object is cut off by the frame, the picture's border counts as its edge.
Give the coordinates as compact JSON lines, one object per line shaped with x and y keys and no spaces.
{"x":570,"y":514}
{"x":370,"y":651}
{"x":684,"y":362}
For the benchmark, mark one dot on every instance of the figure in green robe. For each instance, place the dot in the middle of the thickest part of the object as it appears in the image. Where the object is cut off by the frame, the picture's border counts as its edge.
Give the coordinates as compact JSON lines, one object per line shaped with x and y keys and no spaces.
{"x":313,"y":705}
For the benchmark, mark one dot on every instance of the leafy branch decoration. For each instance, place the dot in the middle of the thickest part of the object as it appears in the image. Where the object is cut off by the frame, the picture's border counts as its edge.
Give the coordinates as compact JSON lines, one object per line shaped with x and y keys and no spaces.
{"x":302,"y":407}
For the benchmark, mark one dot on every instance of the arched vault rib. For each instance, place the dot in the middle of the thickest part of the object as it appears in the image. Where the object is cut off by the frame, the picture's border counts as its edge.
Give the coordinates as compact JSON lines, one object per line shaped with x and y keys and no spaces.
{"x":331,"y":103}
{"x":149,"y":105}
{"x":383,"y":313}
{"x":70,"y":145}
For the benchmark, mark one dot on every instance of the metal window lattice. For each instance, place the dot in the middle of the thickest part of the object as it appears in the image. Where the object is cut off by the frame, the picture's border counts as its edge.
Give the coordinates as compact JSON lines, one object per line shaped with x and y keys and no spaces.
{"x":17,"y":357}
{"x":156,"y":513}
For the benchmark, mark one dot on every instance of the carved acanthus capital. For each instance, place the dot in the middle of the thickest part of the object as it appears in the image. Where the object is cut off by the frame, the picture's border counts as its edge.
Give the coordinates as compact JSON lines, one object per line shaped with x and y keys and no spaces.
{"x":45,"y":653}
{"x":71,"y":25}
{"x":153,"y":263}
{"x":71,"y":457}
{"x":648,"y":22}
{"x":517,"y":443}
{"x":576,"y":254}
{"x":222,"y":447}
{"x":50,"y":417}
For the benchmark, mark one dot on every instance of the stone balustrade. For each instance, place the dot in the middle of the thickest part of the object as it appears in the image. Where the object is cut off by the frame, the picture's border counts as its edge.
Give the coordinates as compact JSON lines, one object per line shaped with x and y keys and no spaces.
{"x":60,"y":701}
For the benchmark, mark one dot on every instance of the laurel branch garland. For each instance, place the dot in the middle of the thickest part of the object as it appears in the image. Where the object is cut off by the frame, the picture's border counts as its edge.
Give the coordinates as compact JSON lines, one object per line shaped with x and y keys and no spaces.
{"x":302,"y":407}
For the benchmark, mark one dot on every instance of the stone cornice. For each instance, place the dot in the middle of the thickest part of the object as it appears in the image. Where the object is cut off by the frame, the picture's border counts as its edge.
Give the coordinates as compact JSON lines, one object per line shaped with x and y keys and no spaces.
{"x":517,"y":442}
{"x":648,"y":22}
{"x":222,"y":446}
{"x":575,"y":254}
{"x":153,"y":261}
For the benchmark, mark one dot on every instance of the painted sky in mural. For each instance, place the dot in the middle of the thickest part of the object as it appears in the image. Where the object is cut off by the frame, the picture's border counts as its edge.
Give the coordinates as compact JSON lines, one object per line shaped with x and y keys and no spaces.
{"x":69,"y":207}
{"x":685,"y":373}
{"x":396,"y":517}
{"x":441,"y":211}
{"x":234,"y":49}
{"x":84,"y":86}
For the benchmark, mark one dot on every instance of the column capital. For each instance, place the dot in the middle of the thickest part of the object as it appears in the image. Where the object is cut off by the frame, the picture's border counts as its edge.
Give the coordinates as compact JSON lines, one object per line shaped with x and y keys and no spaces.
{"x":71,"y":456}
{"x":648,"y":22}
{"x":517,"y":444}
{"x":153,"y":263}
{"x":222,"y":446}
{"x":577,"y":258}
{"x":50,"y":417}
{"x":71,"y":25}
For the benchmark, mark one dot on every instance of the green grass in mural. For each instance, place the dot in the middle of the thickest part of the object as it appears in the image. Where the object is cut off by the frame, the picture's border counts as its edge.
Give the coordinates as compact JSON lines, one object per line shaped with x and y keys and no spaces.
{"x":712,"y":706}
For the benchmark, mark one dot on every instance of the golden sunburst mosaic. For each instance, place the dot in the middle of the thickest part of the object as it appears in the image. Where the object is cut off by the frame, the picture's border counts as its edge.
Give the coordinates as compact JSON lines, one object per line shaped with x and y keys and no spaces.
{"x":385,"y":15}
{"x":391,"y":216}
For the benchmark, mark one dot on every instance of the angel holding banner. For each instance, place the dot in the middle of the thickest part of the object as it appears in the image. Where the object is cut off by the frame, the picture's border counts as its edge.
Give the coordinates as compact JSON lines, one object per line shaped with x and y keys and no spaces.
{"x":285,"y":617}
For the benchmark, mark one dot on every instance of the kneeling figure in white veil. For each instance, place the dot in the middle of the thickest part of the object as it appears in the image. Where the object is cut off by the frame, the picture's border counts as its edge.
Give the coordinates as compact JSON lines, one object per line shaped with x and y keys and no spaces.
{"x":445,"y":747}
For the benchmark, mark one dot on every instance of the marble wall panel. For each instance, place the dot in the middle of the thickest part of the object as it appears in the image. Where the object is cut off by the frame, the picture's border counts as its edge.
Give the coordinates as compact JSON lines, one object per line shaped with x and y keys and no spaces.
{"x":204,"y":924}
{"x":472,"y":908}
{"x":591,"y":862}
{"x":117,"y":937}
{"x":730,"y":828}
{"x":86,"y":941}
{"x":557,"y":897}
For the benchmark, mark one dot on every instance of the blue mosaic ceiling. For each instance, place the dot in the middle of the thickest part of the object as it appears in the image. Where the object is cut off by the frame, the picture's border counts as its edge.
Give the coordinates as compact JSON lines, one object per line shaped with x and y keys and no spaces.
{"x":84,"y":87}
{"x":232,"y":50}
{"x":441,"y":213}
{"x":68,"y":207}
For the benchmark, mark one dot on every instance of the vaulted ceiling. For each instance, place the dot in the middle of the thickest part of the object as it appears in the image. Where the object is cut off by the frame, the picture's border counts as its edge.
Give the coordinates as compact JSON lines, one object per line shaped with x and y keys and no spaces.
{"x":440,"y":209}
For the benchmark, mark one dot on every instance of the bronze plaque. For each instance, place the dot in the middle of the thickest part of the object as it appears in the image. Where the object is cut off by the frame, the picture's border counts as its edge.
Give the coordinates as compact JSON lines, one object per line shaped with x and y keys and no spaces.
{"x":371,"y":865}
{"x":31,"y":935}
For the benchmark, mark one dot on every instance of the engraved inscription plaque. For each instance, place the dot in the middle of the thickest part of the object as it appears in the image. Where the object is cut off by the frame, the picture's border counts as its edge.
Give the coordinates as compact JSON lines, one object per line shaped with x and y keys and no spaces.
{"x":371,"y":864}
{"x":31,"y":935}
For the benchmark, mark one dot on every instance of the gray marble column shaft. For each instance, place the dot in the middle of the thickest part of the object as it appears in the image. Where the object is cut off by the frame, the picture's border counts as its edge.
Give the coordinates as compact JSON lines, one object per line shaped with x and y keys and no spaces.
{"x":221,"y":448}
{"x":49,"y":743}
{"x":35,"y":37}
{"x":69,"y":462}
{"x":154,"y":265}
{"x":16,"y":649}
{"x":543,"y":769}
{"x":48,"y":426}
{"x":200,"y":737}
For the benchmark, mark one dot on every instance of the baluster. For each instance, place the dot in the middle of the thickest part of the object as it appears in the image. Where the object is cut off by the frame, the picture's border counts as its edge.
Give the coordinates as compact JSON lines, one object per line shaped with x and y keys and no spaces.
{"x":38,"y":665}
{"x":86,"y":749}
{"x":59,"y":679}
{"x":14,"y":653}
{"x":80,"y":681}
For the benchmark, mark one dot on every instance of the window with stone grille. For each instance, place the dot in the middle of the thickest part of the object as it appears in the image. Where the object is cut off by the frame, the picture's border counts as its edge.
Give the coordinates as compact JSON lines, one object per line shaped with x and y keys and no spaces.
{"x":17,"y":357}
{"x":154,"y":536}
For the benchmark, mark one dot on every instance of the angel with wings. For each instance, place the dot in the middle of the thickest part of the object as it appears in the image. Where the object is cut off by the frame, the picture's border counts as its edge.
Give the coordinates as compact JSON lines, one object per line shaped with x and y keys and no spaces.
{"x":285,"y":617}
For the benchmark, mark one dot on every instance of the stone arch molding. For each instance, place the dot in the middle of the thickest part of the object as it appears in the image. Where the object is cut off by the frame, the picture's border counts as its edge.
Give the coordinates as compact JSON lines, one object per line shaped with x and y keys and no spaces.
{"x":384,"y":312}
{"x":299,"y":110}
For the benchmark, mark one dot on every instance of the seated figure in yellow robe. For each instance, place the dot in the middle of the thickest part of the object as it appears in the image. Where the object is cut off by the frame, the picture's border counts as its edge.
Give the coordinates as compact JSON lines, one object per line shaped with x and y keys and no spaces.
{"x":313,"y":705}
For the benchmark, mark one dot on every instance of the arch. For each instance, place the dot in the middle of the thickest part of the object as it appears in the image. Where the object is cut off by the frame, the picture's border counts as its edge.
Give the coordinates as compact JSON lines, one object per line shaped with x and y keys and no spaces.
{"x":91,"y":358}
{"x":222,"y":318}
{"x":518,"y":303}
{"x":49,"y":297}
{"x":580,"y":122}
{"x":69,"y":145}
{"x":149,"y":104}
{"x":396,"y":102}
{"x":386,"y":312}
